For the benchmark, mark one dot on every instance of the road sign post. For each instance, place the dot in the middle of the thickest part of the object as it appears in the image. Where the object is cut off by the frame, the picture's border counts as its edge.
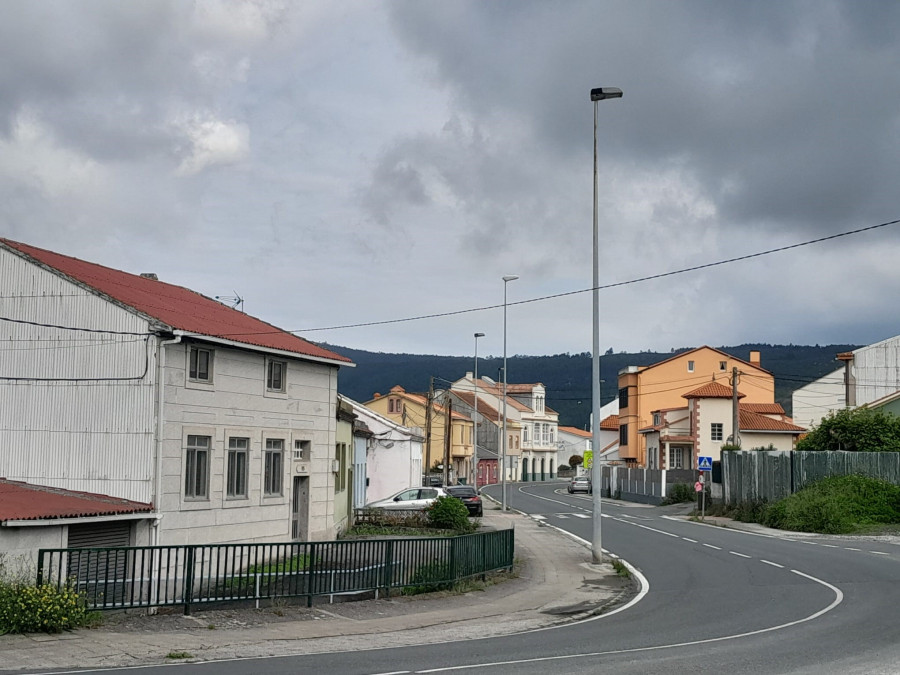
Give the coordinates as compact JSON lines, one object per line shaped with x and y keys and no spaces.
{"x":704,"y":465}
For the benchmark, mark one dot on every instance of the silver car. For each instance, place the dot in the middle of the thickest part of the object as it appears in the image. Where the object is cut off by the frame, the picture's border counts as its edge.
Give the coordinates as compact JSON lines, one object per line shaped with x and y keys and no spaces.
{"x":411,"y":499}
{"x":580,"y":484}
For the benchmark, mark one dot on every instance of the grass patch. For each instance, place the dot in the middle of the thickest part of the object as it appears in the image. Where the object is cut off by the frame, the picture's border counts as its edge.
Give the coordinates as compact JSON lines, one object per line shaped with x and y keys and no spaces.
{"x":621,"y":569}
{"x":836,"y":505}
{"x":179,"y":655}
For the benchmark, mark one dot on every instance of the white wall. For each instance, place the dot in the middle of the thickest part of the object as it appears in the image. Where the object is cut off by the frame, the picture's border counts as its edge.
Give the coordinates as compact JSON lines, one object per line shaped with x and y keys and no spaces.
{"x":712,"y":410}
{"x":236,"y":404}
{"x":812,"y":402}
{"x":69,"y":424}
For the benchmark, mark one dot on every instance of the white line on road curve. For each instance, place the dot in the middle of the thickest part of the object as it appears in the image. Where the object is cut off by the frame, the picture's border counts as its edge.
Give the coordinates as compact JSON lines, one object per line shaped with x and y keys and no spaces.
{"x":718,"y":548}
{"x":693,"y":541}
{"x":838,"y":599}
{"x":769,"y":562}
{"x":742,"y":555}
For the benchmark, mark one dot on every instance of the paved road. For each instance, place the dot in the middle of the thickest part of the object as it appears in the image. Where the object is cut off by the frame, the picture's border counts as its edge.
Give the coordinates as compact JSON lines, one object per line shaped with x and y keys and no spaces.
{"x":719,"y":600}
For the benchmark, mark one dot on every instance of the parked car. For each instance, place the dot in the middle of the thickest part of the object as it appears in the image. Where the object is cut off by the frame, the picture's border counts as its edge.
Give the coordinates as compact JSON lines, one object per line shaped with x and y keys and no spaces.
{"x":580,"y":484}
{"x":411,"y":499}
{"x":469,"y":496}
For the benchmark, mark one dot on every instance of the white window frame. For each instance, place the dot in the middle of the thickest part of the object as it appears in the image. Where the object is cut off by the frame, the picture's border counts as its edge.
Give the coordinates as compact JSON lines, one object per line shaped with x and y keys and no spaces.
{"x":273,"y":468}
{"x":716,"y":429}
{"x":302,"y":449}
{"x":676,"y":458}
{"x":237,"y":468}
{"x":193,"y":369}
{"x":270,"y":379}
{"x":690,"y":366}
{"x":196,"y":477}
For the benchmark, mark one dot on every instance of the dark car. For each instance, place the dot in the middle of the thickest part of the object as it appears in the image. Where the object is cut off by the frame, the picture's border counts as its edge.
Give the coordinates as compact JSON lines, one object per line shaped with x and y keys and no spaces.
{"x":581,"y":484}
{"x":469,"y":497}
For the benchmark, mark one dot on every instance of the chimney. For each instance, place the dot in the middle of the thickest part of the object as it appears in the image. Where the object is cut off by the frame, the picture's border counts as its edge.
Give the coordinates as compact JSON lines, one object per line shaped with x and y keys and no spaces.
{"x":149,"y":275}
{"x":754,"y":357}
{"x":376,"y":395}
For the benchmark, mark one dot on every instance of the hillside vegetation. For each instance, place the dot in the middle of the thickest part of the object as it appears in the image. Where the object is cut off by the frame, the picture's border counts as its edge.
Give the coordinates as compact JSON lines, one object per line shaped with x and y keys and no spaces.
{"x":566,"y":376}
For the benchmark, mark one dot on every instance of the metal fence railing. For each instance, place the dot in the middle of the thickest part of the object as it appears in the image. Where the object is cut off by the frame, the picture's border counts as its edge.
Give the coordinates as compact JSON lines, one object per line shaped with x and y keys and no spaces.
{"x":153,"y":576}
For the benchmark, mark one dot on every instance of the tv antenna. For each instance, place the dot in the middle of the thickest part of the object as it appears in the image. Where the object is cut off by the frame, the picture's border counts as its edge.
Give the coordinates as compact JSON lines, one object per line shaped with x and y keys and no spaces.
{"x":234,"y":301}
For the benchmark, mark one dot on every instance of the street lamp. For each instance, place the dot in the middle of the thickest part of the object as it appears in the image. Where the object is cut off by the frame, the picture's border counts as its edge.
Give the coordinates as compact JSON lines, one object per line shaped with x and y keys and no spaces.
{"x":506,"y":280}
{"x":475,"y":418}
{"x":600,"y":94}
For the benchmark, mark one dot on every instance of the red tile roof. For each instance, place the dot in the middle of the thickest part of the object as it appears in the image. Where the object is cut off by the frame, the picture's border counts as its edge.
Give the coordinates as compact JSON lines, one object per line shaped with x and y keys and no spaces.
{"x":484,"y":409}
{"x":25,"y":501}
{"x":575,"y":431}
{"x":711,"y":390}
{"x":751,"y":421}
{"x":764,"y":408}
{"x":177,"y":307}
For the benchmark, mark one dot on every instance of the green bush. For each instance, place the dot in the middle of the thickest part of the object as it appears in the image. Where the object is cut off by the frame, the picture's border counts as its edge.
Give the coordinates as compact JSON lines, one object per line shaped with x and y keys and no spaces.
{"x":679,"y":493}
{"x":448,"y":513}
{"x":430,"y":578}
{"x":836,"y":505}
{"x":40,"y":609}
{"x":856,"y":429}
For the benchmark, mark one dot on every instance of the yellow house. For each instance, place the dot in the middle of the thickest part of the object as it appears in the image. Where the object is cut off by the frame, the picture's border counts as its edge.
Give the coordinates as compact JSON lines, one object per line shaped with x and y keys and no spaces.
{"x":409,"y":410}
{"x":645,"y":389}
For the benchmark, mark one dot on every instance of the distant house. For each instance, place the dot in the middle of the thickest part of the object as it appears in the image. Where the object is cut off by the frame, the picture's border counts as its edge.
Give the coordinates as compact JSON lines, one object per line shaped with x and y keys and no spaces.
{"x":660,"y":386}
{"x":868,"y":374}
{"x":392,"y":455}
{"x":212,"y":424}
{"x":678,"y":436}
{"x":411,"y":409}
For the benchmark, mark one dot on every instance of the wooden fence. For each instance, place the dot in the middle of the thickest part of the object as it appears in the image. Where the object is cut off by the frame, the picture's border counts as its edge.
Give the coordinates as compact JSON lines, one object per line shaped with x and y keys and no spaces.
{"x":753,"y":476}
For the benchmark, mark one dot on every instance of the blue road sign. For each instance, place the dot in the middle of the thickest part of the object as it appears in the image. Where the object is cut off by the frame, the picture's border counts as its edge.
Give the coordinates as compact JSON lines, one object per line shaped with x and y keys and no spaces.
{"x":704,"y":463}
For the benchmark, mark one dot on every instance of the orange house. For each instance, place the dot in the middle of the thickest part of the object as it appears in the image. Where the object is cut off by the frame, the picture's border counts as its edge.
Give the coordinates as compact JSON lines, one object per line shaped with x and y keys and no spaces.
{"x":643,"y":389}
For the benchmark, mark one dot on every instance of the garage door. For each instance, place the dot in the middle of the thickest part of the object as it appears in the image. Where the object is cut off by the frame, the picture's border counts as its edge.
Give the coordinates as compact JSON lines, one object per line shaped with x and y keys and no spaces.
{"x":101,"y":574}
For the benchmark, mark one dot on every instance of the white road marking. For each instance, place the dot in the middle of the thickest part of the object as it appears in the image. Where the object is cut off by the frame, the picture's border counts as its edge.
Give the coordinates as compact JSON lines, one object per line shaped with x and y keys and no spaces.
{"x":693,"y":541}
{"x":849,"y":548}
{"x":581,"y":515}
{"x":711,"y":546}
{"x":537,"y":517}
{"x":562,"y":515}
{"x":875,"y":552}
{"x":769,"y":562}
{"x":739,"y":554}
{"x":829,"y":546}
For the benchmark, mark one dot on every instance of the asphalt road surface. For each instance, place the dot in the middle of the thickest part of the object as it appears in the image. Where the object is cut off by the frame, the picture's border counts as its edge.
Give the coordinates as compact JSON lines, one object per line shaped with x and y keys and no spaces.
{"x":718,"y":600}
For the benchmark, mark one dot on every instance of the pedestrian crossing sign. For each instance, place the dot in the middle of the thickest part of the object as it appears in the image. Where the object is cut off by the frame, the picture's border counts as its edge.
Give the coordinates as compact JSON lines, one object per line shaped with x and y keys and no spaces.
{"x":704,"y":463}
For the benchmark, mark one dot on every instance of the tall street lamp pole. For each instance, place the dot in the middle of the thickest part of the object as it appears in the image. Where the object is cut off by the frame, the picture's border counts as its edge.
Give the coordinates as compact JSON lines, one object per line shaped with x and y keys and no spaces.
{"x":597,"y":95}
{"x":506,"y":280}
{"x":475,"y":419}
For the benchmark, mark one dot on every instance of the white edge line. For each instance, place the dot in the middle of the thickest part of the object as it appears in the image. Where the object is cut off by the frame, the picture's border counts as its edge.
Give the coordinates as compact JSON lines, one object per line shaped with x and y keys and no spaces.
{"x":773,"y":564}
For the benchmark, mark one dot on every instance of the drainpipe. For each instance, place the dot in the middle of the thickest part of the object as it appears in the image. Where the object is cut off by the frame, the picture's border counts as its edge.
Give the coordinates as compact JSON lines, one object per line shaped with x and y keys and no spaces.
{"x":160,"y":403}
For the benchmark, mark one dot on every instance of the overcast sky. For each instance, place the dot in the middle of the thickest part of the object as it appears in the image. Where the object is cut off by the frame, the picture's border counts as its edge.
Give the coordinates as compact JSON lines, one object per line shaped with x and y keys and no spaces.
{"x":340,"y":163}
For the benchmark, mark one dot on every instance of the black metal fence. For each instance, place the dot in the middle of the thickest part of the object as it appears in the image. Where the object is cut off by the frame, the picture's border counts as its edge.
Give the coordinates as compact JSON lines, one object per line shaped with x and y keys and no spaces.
{"x":152,"y":576}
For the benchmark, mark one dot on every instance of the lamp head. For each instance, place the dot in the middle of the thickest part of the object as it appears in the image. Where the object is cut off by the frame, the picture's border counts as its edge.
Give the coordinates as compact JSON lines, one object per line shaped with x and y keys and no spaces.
{"x":510,"y":277}
{"x":478,"y":335}
{"x":603,"y":93}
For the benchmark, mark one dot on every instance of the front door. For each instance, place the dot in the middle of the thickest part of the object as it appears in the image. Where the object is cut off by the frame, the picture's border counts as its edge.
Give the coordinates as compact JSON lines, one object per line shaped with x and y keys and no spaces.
{"x":300,"y":509}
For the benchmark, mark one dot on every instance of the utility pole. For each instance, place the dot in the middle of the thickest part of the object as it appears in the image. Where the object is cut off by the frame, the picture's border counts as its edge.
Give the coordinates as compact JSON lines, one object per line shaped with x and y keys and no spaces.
{"x":735,"y":414}
{"x":428,"y":403}
{"x":448,"y":428}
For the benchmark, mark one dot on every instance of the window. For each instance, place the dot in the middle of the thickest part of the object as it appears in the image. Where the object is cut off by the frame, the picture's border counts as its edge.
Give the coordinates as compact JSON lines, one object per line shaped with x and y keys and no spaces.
{"x":623,"y":398}
{"x":723,"y":365}
{"x":236,"y":478}
{"x":196,"y":467}
{"x":341,"y":483}
{"x":275,"y":375}
{"x":690,"y":366}
{"x":676,"y":458}
{"x":657,"y":418}
{"x":552,"y":435}
{"x":301,"y":450}
{"x":716,"y":431}
{"x":395,"y":405}
{"x":623,"y":434}
{"x":525,"y":428}
{"x":274,"y":466}
{"x":200,"y":368}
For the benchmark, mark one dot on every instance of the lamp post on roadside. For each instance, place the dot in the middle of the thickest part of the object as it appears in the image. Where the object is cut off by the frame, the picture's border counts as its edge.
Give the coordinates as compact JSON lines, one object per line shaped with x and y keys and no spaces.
{"x":506,"y":280}
{"x":475,"y":419}
{"x":600,"y":94}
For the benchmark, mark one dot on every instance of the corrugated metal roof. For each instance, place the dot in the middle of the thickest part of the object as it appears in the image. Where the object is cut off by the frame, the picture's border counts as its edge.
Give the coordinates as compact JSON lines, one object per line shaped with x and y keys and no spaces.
{"x":175,"y":306}
{"x":25,"y":501}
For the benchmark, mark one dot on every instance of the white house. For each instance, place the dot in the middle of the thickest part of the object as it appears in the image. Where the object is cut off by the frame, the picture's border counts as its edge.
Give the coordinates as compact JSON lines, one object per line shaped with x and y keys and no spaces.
{"x":128,"y":387}
{"x":869,"y":373}
{"x":393,"y":455}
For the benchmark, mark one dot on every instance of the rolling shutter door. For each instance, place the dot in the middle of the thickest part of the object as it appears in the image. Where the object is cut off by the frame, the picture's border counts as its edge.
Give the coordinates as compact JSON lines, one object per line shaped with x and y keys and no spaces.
{"x":101,"y":574}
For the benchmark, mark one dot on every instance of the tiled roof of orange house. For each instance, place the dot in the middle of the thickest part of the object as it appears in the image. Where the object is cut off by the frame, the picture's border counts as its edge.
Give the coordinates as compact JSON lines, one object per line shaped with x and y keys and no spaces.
{"x":751,"y":421}
{"x":681,"y":355}
{"x":611,"y":423}
{"x":483,"y":407}
{"x":575,"y":431}
{"x":177,"y":307}
{"x":25,"y":501}
{"x":711,"y":390}
{"x":422,"y":400}
{"x":764,"y":408}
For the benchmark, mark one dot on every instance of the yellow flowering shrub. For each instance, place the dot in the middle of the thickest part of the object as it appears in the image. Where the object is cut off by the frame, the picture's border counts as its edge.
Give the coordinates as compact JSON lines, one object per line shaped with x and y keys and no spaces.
{"x":40,"y":609}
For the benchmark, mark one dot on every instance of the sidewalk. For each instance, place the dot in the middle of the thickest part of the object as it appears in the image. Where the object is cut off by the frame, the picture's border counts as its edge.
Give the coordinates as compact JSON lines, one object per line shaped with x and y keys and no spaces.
{"x":556,"y":583}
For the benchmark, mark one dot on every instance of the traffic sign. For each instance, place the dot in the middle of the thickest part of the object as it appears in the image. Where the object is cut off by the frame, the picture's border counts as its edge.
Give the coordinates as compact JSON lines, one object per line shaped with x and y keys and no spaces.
{"x":704,"y":463}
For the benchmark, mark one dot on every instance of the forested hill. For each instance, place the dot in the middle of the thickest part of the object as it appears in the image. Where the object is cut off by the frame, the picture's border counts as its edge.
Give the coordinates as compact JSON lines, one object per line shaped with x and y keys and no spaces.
{"x":567,"y":377}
